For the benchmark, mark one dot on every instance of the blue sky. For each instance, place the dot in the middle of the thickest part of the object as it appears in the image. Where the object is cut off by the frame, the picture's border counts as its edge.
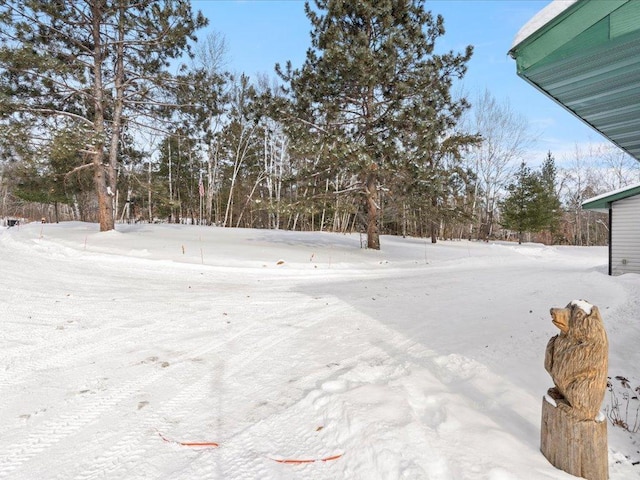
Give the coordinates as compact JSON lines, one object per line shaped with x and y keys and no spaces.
{"x":261,"y":33}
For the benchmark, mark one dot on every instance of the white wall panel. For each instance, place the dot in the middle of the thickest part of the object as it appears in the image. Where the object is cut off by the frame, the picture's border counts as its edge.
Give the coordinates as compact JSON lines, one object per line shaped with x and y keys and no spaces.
{"x":625,"y":242}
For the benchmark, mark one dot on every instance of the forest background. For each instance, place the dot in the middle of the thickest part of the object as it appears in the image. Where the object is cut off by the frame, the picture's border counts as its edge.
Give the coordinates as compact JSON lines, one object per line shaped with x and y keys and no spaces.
{"x":114,"y":111}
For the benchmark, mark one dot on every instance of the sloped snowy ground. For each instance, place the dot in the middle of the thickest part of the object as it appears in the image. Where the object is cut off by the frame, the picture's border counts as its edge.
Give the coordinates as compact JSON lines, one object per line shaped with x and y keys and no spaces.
{"x":419,"y":361}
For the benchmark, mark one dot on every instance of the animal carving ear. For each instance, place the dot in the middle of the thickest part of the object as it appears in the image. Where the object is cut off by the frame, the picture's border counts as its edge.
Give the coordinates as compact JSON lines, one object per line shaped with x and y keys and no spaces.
{"x":580,"y":310}
{"x":576,"y":311}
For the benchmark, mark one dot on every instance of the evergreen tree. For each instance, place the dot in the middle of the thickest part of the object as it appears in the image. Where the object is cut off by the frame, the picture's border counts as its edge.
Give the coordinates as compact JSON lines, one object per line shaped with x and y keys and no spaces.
{"x":549,"y":198}
{"x":523,"y":209}
{"x":53,"y":173}
{"x":176,"y":188}
{"x":372,"y":93}
{"x":99,"y":63}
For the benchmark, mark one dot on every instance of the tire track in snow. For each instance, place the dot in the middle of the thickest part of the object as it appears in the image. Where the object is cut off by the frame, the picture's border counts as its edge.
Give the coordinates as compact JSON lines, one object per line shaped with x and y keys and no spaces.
{"x":53,"y":430}
{"x":298,"y":430}
{"x":259,"y":340}
{"x":141,"y":440}
{"x":70,"y":353}
{"x":250,"y":453}
{"x":261,"y":343}
{"x":245,"y":450}
{"x":68,"y":344}
{"x":28,"y":361}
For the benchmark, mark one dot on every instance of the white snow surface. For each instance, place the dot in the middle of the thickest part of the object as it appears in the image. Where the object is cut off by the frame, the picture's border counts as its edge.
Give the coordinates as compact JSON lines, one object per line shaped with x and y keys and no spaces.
{"x":540,"y":19}
{"x":419,"y":361}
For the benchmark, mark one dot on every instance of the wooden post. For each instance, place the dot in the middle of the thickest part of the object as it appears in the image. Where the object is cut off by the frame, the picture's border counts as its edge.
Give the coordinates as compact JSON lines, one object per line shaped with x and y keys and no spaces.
{"x":579,"y":447}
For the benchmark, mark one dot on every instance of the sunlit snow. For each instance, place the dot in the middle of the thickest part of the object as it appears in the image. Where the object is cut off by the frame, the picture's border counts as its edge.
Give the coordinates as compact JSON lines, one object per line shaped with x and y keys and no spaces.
{"x":121,"y":353}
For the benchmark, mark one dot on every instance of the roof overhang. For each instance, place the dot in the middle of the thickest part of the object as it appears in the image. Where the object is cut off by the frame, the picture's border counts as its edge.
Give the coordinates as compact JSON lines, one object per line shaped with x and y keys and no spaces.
{"x":601,"y":203}
{"x":585,"y":55}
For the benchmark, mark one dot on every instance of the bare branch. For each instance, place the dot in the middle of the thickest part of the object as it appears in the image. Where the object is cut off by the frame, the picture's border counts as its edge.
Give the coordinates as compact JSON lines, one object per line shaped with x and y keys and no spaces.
{"x":81,"y":167}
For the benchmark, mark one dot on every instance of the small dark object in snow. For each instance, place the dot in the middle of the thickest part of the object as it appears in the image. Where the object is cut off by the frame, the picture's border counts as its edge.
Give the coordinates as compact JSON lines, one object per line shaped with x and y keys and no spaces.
{"x":623,"y":381}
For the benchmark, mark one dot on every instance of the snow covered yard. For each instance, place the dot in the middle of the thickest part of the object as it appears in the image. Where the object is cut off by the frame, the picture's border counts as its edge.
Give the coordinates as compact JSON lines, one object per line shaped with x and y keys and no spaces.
{"x":419,"y":361}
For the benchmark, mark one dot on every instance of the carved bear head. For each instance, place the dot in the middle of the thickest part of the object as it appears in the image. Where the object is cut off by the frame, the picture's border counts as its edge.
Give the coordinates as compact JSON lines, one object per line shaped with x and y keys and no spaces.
{"x":579,"y":320}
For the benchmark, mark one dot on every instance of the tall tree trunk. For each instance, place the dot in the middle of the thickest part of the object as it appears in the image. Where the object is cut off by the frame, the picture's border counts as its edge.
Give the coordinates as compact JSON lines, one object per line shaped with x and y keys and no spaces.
{"x":405,"y":209}
{"x":212,"y":185}
{"x":149,"y":204}
{"x":116,"y":125}
{"x":371,"y":190}
{"x":433,"y":223}
{"x":240,"y":155}
{"x":101,"y":177}
{"x":256,"y":184}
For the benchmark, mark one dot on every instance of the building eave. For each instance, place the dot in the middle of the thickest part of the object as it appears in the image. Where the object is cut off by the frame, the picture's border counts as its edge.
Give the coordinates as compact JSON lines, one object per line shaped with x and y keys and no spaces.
{"x":585,"y":55}
{"x":601,"y":203}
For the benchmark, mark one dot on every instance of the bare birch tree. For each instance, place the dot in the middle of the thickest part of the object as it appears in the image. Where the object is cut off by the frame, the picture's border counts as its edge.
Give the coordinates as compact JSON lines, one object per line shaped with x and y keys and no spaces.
{"x":579,"y":181}
{"x":211,"y":97}
{"x":240,"y":138}
{"x":505,"y":135}
{"x":619,"y":168}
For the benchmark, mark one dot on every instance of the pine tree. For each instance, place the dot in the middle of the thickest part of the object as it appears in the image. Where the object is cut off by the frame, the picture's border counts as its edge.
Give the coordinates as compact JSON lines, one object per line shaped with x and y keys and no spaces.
{"x":94,"y":65}
{"x":372,"y":93}
{"x":549,"y":198}
{"x":176,"y":189}
{"x":524,"y":208}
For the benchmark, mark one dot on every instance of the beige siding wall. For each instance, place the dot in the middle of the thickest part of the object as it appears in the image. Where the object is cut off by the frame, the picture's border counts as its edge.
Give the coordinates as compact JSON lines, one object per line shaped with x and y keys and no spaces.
{"x":625,"y":251}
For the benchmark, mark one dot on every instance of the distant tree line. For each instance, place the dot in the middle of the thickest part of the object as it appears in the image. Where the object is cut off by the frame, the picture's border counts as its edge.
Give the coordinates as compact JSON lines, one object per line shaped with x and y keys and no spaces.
{"x":109,"y":111}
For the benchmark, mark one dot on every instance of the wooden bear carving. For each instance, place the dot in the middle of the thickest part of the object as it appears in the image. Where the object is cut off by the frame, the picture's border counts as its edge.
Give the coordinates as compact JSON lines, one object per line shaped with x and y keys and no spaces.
{"x":577,"y":360}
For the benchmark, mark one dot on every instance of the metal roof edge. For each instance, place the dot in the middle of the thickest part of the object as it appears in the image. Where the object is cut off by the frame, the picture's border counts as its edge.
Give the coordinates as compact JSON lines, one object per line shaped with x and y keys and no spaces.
{"x":541,"y":21}
{"x":576,"y":115}
{"x":602,"y":202}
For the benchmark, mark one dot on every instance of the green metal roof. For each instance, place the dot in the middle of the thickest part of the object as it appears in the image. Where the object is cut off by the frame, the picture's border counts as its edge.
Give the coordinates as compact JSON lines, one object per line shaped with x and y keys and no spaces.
{"x":603,"y":202}
{"x":587,"y":59}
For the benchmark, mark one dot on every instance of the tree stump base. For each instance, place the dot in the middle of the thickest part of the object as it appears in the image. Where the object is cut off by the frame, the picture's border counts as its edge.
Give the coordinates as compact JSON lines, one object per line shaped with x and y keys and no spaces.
{"x":577,"y":447}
